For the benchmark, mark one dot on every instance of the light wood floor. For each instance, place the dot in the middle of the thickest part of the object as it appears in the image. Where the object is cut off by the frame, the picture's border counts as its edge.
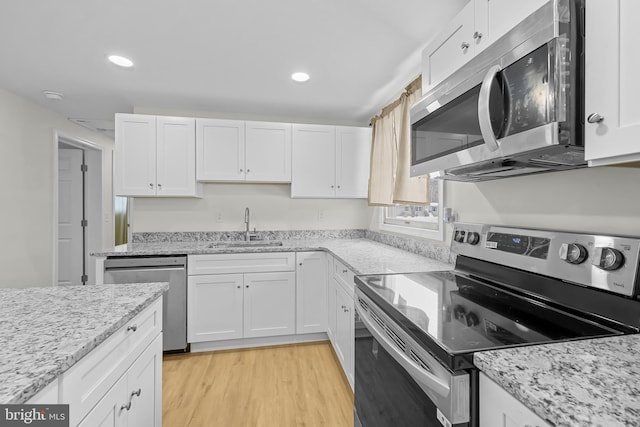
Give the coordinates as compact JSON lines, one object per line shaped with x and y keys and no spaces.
{"x":284,"y":386}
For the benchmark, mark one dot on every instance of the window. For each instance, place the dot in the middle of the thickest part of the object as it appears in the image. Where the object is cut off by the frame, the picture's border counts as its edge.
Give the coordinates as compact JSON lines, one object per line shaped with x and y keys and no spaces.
{"x":420,"y":221}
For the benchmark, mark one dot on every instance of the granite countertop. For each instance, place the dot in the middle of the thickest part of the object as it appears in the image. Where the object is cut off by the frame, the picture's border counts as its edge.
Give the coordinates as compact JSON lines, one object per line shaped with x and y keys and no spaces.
{"x":362,"y":256}
{"x":593,"y":382}
{"x":45,"y":331}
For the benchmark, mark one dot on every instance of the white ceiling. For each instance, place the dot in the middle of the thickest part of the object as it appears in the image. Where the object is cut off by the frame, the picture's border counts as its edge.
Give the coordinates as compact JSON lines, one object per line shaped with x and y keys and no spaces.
{"x":218,"y":56}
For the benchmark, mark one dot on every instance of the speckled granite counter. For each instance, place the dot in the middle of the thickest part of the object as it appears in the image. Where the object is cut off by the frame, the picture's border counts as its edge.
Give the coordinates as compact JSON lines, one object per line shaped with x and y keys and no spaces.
{"x":581,"y":383}
{"x":363,"y":256}
{"x":45,"y":331}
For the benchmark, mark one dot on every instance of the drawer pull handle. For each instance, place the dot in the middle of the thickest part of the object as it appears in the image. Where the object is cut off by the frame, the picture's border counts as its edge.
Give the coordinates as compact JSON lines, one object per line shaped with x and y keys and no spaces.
{"x":125,"y":406}
{"x":344,"y":271}
{"x":136,"y":392}
{"x":132,"y":328}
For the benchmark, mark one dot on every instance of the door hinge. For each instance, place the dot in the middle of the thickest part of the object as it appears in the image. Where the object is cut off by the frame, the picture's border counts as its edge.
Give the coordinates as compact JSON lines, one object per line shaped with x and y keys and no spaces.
{"x":84,"y":223}
{"x":84,"y":168}
{"x":84,"y":279}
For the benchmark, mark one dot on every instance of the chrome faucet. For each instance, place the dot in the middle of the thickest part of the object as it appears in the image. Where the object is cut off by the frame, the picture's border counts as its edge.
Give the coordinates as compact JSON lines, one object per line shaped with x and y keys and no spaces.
{"x":247,"y":219}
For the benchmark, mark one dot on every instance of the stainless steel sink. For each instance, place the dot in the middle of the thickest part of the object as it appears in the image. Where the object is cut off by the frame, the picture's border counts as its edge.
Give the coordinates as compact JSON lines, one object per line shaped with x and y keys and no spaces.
{"x":245,"y":244}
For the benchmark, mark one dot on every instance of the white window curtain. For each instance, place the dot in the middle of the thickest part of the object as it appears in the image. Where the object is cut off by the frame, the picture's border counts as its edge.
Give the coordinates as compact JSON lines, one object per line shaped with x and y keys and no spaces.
{"x":389,"y":181}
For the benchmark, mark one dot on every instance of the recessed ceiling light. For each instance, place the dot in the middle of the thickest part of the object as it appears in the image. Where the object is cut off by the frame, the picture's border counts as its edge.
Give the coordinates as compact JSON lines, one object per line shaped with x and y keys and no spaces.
{"x":54,"y":96}
{"x":300,"y":77}
{"x":120,"y":61}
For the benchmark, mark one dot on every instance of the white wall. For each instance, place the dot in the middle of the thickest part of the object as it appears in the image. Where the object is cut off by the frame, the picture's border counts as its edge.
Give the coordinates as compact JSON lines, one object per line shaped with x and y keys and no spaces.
{"x":26,"y":171}
{"x":595,"y":200}
{"x":222,"y":209}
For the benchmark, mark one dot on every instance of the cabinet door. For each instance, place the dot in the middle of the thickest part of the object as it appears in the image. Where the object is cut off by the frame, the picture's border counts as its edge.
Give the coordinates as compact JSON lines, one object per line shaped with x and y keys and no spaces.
{"x":332,"y":310}
{"x":353,"y":159}
{"x":313,"y":164}
{"x":215,"y":307}
{"x":494,"y":18}
{"x":345,"y":333}
{"x":450,"y":49}
{"x":176,"y":156}
{"x":144,"y":381}
{"x":611,"y":81}
{"x":135,"y":155}
{"x":268,"y":152}
{"x":219,"y":150}
{"x":269,"y":304}
{"x":111,"y":410}
{"x":499,"y":409}
{"x":311,"y":292}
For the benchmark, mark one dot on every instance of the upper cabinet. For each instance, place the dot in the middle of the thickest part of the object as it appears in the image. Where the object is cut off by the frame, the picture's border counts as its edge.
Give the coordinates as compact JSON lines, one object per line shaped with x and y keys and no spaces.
{"x":612,"y":113}
{"x":232,"y":150}
{"x":155,"y":156}
{"x":330,"y":161}
{"x":479,"y":23}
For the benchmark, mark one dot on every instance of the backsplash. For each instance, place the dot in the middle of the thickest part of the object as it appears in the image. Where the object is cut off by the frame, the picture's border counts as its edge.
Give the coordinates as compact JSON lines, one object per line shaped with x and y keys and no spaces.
{"x":208,"y":236}
{"x":428,"y":249}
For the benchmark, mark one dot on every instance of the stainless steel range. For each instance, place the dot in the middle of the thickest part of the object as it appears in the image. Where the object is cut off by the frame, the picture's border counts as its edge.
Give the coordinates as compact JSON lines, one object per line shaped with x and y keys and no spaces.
{"x":418,"y":332}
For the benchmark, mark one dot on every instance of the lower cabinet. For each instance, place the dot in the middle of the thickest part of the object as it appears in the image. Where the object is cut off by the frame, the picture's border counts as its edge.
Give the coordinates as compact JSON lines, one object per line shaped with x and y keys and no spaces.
{"x":311,"y":292}
{"x":135,"y":398}
{"x":499,"y":409}
{"x":342,"y":317}
{"x":242,"y":305}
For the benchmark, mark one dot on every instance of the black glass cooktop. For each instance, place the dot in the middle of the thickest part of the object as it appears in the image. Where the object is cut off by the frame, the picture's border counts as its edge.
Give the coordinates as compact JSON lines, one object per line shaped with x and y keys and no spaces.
{"x":455,"y":315}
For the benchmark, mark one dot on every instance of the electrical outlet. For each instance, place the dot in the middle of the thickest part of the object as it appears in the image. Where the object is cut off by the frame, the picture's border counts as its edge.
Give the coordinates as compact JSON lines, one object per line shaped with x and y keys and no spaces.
{"x":219,"y":217}
{"x":320,"y":215}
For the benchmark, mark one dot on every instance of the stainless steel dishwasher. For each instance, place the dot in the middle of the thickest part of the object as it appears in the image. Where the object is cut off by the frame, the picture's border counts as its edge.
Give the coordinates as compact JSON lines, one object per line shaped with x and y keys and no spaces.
{"x":172,"y":269}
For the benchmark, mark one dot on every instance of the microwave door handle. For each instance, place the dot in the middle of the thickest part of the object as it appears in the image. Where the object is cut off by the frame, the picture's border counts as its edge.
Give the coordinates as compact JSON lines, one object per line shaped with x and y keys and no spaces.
{"x":424,"y":379}
{"x":484,"y":116}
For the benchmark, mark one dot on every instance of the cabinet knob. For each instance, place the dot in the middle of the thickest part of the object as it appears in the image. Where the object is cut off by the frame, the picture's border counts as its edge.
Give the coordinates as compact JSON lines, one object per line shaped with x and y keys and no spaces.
{"x":248,"y":170}
{"x":151,"y":185}
{"x":246,"y":286}
{"x":344,"y":271}
{"x":159,"y":186}
{"x":464,"y":46}
{"x":300,"y":264}
{"x":338,"y":186}
{"x":126,"y":406}
{"x":332,"y":186}
{"x":594,"y":118}
{"x":132,"y":328}
{"x":136,"y":392}
{"x":240,"y":170}
{"x":239,"y":286}
{"x":477,"y":35}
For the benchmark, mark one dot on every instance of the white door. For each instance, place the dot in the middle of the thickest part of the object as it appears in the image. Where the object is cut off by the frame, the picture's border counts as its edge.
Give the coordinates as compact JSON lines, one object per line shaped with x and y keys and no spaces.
{"x":611,"y":81}
{"x":313,"y":161}
{"x":215,"y":307}
{"x":353,"y":160}
{"x":70,"y":201}
{"x":268,"y":152}
{"x":269,"y":304}
{"x":219,"y":150}
{"x":108,"y":411}
{"x":311,"y":292}
{"x":176,"y":156}
{"x":345,"y":333}
{"x":144,"y":380}
{"x":135,"y":155}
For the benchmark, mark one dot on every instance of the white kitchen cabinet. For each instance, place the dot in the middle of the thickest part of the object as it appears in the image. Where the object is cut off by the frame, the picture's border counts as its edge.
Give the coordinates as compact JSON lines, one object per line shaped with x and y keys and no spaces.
{"x":215,"y":307}
{"x":97,"y":387}
{"x":342,"y":317}
{"x":611,"y":82}
{"x":47,"y":395}
{"x":134,"y":400}
{"x":155,"y":156}
{"x":331,"y":302}
{"x":499,"y":409}
{"x":238,"y":151}
{"x":269,"y":304}
{"x":233,"y":296}
{"x":479,"y":24}
{"x":311,"y":292}
{"x":330,"y":162}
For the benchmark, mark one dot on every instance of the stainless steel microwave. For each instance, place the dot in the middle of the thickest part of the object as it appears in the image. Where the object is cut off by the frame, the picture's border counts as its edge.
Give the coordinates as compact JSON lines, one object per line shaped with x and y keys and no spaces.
{"x":515,"y":108}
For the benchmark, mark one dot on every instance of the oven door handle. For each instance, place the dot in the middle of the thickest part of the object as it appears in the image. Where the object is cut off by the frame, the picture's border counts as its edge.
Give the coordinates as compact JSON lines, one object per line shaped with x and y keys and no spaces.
{"x":424,"y":379}
{"x":484,"y":116}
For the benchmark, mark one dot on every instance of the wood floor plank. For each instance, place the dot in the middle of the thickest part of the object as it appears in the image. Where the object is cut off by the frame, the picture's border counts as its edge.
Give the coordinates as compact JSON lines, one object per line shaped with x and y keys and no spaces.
{"x":294,"y":385}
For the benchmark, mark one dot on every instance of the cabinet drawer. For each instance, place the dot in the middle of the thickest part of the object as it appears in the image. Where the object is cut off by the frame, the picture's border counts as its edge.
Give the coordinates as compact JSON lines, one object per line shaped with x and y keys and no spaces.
{"x":344,"y":276}
{"x":84,"y":385}
{"x":241,"y":263}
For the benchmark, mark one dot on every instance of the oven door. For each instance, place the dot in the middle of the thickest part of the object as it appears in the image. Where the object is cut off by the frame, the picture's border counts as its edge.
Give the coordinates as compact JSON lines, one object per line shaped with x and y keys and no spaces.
{"x":398,"y":383}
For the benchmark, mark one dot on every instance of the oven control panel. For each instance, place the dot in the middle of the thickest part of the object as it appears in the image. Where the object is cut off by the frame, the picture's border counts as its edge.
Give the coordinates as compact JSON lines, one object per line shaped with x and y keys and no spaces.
{"x":604,"y":262}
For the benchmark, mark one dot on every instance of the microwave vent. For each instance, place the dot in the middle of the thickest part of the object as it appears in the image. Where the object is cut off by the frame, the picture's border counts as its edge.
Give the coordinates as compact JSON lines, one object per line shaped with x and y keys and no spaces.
{"x":567,"y":158}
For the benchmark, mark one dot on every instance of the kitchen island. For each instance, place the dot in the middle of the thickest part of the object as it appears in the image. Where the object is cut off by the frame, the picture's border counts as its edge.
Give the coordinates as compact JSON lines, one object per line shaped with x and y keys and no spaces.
{"x":47,"y":332}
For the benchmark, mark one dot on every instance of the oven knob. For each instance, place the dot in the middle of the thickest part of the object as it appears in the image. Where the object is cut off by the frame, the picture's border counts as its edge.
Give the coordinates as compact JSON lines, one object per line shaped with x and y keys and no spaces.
{"x":473,"y":238}
{"x":459,"y":236}
{"x":608,"y":258}
{"x":472,"y":319}
{"x":573,"y":253}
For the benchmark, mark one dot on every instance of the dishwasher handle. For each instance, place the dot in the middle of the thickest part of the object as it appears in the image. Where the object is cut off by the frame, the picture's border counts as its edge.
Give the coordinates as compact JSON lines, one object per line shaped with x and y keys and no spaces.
{"x":142,"y":270}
